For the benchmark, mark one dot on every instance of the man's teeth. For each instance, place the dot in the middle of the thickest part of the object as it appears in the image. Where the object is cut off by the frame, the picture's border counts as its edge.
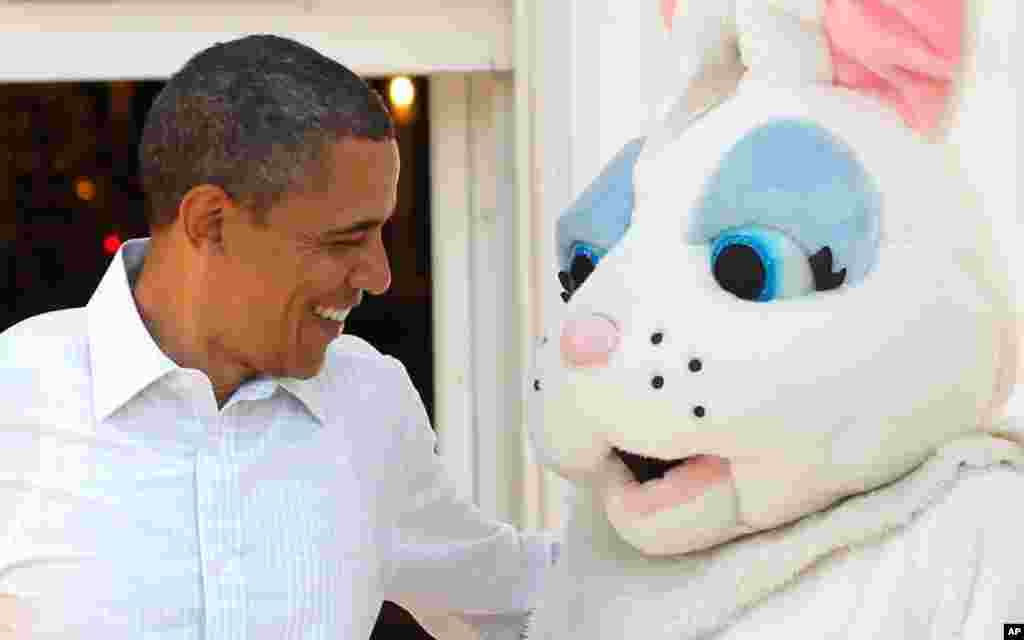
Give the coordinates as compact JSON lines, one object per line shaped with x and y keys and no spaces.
{"x":333,"y":313}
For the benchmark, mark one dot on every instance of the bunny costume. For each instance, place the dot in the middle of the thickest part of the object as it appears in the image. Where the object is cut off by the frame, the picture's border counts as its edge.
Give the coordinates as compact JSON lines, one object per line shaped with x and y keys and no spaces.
{"x":781,"y":377}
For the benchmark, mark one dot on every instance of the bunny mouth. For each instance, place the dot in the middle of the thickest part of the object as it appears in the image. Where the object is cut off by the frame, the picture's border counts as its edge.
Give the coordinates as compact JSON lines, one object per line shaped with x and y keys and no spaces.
{"x":645,"y":469}
{"x":648,"y":485}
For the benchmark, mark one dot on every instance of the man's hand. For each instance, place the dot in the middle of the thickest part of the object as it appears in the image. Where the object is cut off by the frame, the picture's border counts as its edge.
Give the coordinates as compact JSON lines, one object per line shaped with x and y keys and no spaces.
{"x":456,"y":626}
{"x":439,"y":624}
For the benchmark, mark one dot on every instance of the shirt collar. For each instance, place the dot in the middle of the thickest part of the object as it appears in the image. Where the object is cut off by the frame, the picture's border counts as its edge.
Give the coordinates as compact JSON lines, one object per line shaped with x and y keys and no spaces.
{"x":123,"y":355}
{"x":312,"y":393}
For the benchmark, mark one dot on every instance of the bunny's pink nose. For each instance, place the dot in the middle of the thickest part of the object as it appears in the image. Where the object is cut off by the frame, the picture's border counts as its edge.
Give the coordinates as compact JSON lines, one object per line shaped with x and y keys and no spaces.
{"x":589,"y":341}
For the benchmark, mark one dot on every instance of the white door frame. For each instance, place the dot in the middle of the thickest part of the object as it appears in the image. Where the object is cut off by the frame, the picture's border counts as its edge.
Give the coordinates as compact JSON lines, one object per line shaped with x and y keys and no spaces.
{"x":478,"y":276}
{"x":55,"y":40}
{"x":503,"y":149}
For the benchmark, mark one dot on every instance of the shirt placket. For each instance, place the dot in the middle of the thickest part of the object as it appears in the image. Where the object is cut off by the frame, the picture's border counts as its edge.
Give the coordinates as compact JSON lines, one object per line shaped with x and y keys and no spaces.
{"x":221,"y":538}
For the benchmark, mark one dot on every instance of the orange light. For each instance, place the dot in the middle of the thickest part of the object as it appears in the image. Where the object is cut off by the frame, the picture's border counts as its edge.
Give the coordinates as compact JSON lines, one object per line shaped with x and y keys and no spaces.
{"x":85,"y":189}
{"x":402,"y":92}
{"x":111,"y":243}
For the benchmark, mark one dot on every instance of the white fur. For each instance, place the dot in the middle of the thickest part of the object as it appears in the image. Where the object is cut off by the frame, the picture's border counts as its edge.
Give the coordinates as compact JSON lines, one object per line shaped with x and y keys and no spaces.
{"x":811,"y":399}
{"x":831,"y":390}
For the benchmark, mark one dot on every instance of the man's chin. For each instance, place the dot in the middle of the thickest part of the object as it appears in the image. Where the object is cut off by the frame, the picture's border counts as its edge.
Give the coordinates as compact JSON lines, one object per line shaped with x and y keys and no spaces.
{"x":313,"y":348}
{"x":309,"y":368}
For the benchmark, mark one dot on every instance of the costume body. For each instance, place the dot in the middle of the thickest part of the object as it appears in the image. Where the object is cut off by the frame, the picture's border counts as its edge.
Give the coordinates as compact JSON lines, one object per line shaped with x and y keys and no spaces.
{"x":131,"y":506}
{"x":780,"y":377}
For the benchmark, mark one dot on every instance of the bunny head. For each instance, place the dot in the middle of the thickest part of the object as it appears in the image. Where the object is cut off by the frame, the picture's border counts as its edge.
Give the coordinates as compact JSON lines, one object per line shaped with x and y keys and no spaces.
{"x":786,"y":293}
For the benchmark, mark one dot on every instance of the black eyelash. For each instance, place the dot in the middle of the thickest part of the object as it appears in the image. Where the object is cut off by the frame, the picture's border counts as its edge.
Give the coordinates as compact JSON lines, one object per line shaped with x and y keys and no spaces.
{"x":579,"y":270}
{"x":821,"y":266}
{"x":570,"y":287}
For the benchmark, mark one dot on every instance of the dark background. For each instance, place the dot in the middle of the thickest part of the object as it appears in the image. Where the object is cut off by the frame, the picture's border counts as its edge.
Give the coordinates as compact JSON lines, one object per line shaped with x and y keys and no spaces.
{"x":57,"y":137}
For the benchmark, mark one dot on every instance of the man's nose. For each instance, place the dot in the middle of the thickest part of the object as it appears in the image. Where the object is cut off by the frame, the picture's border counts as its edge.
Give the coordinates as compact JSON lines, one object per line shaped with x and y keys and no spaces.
{"x":589,"y":341}
{"x":373,"y":274}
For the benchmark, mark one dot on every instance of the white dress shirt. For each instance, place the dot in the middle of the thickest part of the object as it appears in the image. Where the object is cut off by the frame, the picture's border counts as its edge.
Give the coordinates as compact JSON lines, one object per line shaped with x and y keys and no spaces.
{"x":132,"y":507}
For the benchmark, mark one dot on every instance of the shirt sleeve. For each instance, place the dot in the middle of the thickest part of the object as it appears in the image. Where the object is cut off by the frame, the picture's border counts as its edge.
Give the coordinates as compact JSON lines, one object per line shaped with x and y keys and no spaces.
{"x":446,"y":554}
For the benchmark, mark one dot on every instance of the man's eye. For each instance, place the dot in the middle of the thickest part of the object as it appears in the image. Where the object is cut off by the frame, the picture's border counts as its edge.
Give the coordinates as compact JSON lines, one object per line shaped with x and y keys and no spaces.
{"x":346,"y":244}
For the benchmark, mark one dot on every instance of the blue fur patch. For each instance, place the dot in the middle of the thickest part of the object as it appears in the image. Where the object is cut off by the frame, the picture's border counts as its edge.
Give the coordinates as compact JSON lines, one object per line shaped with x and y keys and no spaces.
{"x":797,"y":177}
{"x":600,"y":216}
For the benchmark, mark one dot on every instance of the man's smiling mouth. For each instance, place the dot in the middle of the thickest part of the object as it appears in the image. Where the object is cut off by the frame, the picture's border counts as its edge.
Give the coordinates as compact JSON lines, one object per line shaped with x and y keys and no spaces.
{"x":333,"y":313}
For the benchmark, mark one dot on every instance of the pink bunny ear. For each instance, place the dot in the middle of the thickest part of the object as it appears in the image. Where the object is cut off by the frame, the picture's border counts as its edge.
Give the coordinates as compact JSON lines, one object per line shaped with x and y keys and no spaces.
{"x":904,"y":51}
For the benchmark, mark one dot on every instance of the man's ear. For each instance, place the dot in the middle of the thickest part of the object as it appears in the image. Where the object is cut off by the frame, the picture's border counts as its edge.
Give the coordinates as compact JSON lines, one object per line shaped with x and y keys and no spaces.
{"x":202,"y":213}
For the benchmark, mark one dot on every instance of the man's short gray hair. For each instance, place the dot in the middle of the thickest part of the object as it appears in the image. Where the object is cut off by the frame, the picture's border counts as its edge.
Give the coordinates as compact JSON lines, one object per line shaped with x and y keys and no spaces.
{"x":254,"y":117}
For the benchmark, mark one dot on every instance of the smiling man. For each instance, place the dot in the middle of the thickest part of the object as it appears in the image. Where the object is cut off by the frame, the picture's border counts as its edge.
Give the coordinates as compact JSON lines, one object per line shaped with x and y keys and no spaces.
{"x":200,"y":452}
{"x":234,"y":289}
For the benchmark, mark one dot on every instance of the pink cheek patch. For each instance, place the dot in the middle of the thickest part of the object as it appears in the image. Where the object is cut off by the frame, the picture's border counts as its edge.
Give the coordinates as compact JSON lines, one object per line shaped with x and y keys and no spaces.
{"x":589,"y":341}
{"x":668,"y":9}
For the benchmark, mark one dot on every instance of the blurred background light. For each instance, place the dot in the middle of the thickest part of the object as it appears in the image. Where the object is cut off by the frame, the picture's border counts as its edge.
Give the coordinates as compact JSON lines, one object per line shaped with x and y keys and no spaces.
{"x":85,"y":189}
{"x":111,"y":243}
{"x":402,"y":92}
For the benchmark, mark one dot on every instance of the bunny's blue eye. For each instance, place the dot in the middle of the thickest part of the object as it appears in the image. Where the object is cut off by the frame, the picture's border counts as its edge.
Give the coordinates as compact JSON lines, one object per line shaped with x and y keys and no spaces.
{"x":589,"y":251}
{"x":796,"y":178}
{"x":598,"y":218}
{"x":761,"y":264}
